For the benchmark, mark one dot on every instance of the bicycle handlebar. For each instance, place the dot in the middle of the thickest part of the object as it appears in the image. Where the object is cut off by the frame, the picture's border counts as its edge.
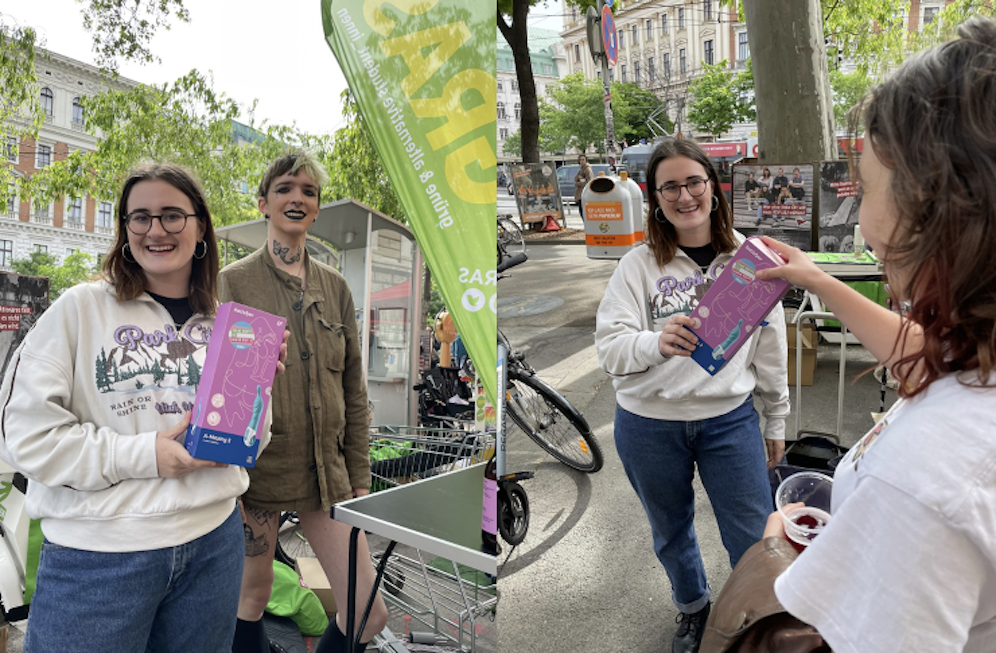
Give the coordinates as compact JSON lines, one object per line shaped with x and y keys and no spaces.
{"x":512,"y":261}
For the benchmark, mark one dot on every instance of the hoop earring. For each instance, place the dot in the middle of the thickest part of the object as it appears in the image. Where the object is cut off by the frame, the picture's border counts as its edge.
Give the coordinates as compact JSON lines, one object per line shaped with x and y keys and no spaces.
{"x":203,"y":253}
{"x":715,"y":204}
{"x":659,"y":215}
{"x":125,"y":251}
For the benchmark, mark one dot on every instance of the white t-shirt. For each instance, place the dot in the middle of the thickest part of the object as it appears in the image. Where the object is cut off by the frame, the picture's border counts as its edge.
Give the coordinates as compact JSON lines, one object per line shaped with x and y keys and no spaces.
{"x":908,"y":561}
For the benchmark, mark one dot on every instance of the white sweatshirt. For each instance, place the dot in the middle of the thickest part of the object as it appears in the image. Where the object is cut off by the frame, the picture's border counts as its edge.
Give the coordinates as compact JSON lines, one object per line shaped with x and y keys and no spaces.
{"x":638,"y":302}
{"x":81,"y":407}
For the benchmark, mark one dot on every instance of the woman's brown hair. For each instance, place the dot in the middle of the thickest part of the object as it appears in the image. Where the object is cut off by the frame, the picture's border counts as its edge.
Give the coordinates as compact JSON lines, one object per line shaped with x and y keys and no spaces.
{"x":659,"y":233}
{"x":933,"y":124}
{"x":127,"y":276}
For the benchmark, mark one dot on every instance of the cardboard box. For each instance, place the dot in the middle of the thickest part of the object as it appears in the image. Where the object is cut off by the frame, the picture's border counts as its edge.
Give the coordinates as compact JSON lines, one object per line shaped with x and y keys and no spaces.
{"x":313,"y":577}
{"x":234,"y":389}
{"x":735,"y":304}
{"x":809,"y":337}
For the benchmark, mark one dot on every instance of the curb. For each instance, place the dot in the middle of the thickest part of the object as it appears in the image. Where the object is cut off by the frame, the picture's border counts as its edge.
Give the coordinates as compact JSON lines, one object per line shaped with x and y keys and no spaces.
{"x":554,"y":241}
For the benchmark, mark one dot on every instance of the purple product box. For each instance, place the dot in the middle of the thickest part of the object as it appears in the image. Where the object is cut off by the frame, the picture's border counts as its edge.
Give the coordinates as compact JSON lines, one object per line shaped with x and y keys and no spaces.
{"x":735,"y":304}
{"x":234,"y":390}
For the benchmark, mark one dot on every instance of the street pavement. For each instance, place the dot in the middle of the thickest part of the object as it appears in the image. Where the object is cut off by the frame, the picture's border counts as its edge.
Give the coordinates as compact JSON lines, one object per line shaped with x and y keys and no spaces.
{"x":586,"y":577}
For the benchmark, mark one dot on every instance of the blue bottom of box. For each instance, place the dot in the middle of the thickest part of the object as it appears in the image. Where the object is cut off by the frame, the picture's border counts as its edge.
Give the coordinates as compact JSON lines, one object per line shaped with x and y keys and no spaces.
{"x":221,"y":447}
{"x":703,"y":356}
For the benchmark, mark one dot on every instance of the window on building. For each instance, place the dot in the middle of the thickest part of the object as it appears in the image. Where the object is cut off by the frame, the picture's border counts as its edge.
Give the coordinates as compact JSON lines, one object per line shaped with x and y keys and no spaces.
{"x":43,"y":155}
{"x":47,"y":101}
{"x":77,"y":111}
{"x":622,"y":74}
{"x":501,"y":111}
{"x":681,"y":18}
{"x":707,"y":9}
{"x":104,"y":215}
{"x":42,"y":211}
{"x":709,"y":53}
{"x":743,"y":47}
{"x":71,"y":250}
{"x":682,"y":62}
{"x":651,"y":73}
{"x":515,"y":85}
{"x":636,"y":72}
{"x":620,"y":36}
{"x":667,"y":65}
{"x":10,"y":149}
{"x":499,"y":86}
{"x":929,"y":14}
{"x":650,"y":30}
{"x":503,"y":132}
{"x":577,"y":52}
{"x":11,"y":201}
{"x":6,"y":252}
{"x":636,"y":36}
{"x":518,"y":110}
{"x":41,"y":248}
{"x":664,"y":24}
{"x":74,"y":210}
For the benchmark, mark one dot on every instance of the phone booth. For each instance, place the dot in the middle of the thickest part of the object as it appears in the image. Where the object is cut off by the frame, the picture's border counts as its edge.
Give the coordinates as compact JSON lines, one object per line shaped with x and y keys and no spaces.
{"x":382,"y":265}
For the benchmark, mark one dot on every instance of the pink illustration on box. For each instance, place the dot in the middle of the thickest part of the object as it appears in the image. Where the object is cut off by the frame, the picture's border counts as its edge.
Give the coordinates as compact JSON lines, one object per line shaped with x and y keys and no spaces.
{"x":736,"y":303}
{"x":234,"y":390}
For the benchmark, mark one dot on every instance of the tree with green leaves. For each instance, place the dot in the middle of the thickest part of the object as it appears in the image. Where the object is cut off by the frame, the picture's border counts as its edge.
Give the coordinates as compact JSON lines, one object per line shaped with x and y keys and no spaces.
{"x":572,"y":114}
{"x":354,"y":168}
{"x":513,"y":143}
{"x":848,"y":89}
{"x":631,"y":106}
{"x":75,"y":268}
{"x":720,"y":99}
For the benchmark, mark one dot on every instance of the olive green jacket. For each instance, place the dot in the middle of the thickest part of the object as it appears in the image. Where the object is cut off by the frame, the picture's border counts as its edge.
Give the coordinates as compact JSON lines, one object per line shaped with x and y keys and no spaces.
{"x":319,"y":449}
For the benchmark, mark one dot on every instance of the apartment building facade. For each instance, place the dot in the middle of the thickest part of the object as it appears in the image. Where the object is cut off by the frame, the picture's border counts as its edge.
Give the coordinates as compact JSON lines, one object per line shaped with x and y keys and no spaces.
{"x":70,"y":224}
{"x":663,"y":45}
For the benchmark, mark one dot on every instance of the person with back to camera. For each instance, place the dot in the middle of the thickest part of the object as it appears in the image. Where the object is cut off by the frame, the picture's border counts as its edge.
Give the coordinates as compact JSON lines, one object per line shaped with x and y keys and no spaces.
{"x":671,"y":416}
{"x":907,"y":563}
{"x":319,"y":454}
{"x":581,"y":179}
{"x":142,"y":548}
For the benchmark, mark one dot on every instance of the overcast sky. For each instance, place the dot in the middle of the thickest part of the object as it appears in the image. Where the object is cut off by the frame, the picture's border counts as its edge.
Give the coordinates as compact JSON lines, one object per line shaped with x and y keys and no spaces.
{"x":274,"y":52}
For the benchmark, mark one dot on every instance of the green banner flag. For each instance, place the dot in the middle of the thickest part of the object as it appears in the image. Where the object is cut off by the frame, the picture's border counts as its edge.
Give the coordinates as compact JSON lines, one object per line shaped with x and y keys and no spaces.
{"x":423,"y":75}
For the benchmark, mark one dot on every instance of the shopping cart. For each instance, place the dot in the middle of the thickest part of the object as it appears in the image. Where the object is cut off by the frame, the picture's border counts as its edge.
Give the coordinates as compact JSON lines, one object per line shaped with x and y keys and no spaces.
{"x":440,"y":604}
{"x":443,"y":601}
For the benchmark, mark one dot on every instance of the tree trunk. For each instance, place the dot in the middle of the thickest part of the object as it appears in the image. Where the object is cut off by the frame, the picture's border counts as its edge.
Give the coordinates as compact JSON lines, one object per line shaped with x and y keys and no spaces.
{"x":517,"y":35}
{"x":791,"y":83}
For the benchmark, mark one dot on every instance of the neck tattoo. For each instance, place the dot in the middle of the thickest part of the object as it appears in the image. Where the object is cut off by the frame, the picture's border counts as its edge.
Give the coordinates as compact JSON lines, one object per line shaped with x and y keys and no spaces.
{"x":284,"y":253}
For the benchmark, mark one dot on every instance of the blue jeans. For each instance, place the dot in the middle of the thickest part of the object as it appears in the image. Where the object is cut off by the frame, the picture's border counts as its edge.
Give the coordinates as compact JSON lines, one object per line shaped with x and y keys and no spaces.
{"x":660,"y":457}
{"x":179,"y":599}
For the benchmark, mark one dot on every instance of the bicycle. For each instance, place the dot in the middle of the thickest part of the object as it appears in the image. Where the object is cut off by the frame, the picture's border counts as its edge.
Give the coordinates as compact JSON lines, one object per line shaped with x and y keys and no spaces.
{"x":509,"y":237}
{"x":542,"y":413}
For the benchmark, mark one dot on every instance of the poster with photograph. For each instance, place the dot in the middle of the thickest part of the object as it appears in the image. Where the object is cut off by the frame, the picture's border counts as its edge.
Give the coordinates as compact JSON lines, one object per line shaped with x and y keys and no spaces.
{"x":839,"y":204}
{"x":22,"y":300}
{"x":774,"y":200}
{"x":537,"y":193}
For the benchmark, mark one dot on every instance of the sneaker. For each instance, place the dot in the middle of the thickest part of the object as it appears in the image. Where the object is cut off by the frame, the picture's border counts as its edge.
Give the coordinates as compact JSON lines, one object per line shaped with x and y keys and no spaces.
{"x":690,"y":630}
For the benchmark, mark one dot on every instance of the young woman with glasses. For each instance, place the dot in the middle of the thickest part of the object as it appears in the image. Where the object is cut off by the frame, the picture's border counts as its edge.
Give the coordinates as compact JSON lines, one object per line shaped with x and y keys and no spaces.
{"x":143,"y":543}
{"x":671,"y":416}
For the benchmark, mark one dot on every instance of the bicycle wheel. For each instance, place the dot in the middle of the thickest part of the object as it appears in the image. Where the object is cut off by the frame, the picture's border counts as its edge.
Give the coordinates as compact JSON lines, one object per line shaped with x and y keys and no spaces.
{"x":513,"y":513}
{"x":511,"y":237}
{"x":552,"y":422}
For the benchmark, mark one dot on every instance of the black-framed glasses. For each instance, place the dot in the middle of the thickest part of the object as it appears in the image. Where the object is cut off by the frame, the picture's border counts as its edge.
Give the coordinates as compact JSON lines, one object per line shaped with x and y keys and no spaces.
{"x":173,"y":221}
{"x":696,"y":187}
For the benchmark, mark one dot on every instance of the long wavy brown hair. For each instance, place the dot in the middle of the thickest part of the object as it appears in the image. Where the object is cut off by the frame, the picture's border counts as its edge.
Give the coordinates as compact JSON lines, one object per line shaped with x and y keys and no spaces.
{"x":660,"y":234}
{"x":933,"y":124}
{"x":127,"y":276}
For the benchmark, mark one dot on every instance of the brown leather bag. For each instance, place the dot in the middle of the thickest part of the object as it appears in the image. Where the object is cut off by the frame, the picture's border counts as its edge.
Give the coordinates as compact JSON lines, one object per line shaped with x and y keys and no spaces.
{"x":747,"y":617}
